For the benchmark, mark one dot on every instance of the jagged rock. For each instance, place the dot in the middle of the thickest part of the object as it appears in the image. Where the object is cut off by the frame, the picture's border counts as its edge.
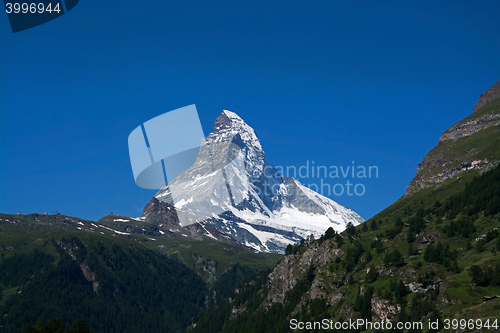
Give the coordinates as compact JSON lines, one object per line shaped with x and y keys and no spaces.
{"x":335,"y":297}
{"x":90,"y":276}
{"x":386,"y":271}
{"x":164,"y":215}
{"x":470,"y":127}
{"x":293,"y":267}
{"x":421,"y":288}
{"x":420,"y":181}
{"x":71,"y":249}
{"x":425,"y":240}
{"x":492,"y":93}
{"x":160,"y":212}
{"x":407,"y":272}
{"x":208,"y":267}
{"x":384,"y":310}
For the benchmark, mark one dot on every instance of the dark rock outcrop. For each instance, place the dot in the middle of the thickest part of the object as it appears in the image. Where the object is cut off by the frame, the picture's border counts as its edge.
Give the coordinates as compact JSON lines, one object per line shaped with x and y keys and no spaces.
{"x":492,"y":93}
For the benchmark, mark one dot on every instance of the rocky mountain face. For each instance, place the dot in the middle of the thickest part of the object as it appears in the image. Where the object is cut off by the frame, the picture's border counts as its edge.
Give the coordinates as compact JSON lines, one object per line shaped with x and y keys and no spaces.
{"x":164,"y":216}
{"x":471,"y":126}
{"x":232,"y":188}
{"x":470,"y":144}
{"x":489,"y":95}
{"x":293,"y":268}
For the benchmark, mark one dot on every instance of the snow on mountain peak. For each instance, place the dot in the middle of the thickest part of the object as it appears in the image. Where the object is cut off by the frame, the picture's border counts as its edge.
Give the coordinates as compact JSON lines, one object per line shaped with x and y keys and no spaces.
{"x":229,"y":127}
{"x":229,"y":124}
{"x":262,"y":210}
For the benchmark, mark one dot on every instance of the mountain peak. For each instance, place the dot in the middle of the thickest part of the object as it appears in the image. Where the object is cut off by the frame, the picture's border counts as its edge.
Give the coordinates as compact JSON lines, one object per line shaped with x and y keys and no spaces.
{"x":229,"y":120}
{"x":223,"y":122}
{"x":231,"y":115}
{"x":228,"y":124}
{"x":249,"y":201}
{"x":492,"y":93}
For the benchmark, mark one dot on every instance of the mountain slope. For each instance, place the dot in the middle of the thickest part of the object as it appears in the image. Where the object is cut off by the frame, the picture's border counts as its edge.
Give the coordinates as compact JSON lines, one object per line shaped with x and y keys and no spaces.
{"x":470,"y":144}
{"x":432,"y":255}
{"x":106,"y":271}
{"x":114,"y":284}
{"x":260,"y":209}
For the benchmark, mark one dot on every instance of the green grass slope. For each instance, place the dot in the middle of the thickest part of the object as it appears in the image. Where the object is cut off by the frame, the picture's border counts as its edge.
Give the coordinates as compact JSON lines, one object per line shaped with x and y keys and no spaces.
{"x":477,"y":140}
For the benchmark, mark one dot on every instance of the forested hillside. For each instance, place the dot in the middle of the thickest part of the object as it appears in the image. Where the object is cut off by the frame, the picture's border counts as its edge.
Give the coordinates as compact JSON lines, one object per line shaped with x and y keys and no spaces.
{"x":113,"y":275}
{"x":114,"y":286}
{"x":433,"y":256}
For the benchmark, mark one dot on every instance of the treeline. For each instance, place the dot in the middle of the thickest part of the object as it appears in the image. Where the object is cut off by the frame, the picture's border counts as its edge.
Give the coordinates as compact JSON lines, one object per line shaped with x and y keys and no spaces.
{"x":485,"y":276}
{"x":442,"y":254}
{"x":464,"y":227}
{"x":329,"y":233}
{"x":482,"y":194}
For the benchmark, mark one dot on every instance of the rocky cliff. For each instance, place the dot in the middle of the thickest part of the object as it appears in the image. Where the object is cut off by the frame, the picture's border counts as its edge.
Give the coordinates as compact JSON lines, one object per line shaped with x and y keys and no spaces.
{"x":294,"y":267}
{"x":489,"y":95}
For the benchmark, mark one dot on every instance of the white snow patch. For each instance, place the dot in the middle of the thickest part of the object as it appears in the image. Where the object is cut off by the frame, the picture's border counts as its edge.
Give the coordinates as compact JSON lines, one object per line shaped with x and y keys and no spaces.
{"x":208,"y":232}
{"x":183,"y":202}
{"x":115,"y":231}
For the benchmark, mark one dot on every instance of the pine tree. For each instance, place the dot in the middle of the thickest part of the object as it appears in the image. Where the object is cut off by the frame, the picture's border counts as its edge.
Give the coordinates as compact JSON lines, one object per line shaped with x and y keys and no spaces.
{"x":480,"y":246}
{"x":411,"y":250}
{"x":396,"y":258}
{"x":41,"y":325}
{"x":368,"y":256}
{"x":476,"y":273}
{"x":387,"y":259}
{"x":329,"y":233}
{"x":372,"y":274}
{"x":350,"y":229}
{"x":80,"y":326}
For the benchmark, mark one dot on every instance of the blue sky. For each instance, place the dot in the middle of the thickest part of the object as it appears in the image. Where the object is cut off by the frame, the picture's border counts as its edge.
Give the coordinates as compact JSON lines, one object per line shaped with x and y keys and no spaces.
{"x":371,"y":82}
